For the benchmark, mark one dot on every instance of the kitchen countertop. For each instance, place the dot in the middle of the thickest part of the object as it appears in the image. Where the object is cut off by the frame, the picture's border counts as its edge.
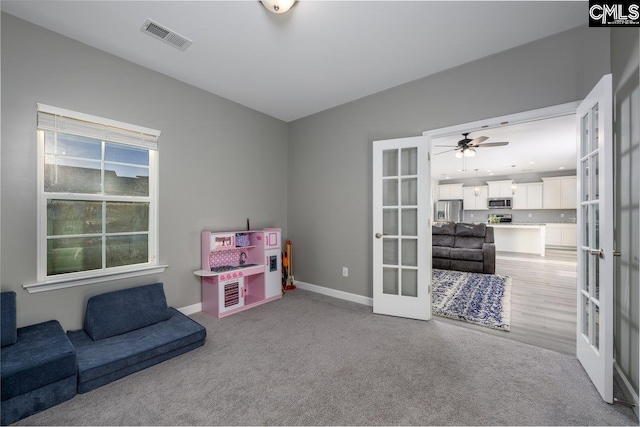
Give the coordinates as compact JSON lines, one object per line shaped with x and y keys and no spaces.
{"x":515,"y":225}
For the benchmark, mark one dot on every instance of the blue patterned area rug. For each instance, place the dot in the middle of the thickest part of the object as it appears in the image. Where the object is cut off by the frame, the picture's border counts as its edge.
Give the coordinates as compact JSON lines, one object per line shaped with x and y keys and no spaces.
{"x":483,"y":299}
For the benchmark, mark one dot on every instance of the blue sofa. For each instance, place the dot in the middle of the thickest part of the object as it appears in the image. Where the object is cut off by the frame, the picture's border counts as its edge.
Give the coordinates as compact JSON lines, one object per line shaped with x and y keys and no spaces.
{"x":38,"y":365}
{"x":128,"y":330}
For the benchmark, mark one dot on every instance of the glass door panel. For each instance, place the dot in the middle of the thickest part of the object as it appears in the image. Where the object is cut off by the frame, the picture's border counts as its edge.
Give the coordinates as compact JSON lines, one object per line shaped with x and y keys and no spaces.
{"x":390,"y":281}
{"x":390,"y":221}
{"x":390,"y":192}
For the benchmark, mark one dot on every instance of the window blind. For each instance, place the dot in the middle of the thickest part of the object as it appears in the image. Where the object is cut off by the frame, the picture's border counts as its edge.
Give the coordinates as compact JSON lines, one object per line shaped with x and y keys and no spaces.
{"x":75,"y":123}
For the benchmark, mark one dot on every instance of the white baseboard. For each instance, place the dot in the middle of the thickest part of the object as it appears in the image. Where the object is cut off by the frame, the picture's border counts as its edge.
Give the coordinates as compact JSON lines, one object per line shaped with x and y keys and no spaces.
{"x":190,"y":309}
{"x":625,"y":385}
{"x":335,"y":293}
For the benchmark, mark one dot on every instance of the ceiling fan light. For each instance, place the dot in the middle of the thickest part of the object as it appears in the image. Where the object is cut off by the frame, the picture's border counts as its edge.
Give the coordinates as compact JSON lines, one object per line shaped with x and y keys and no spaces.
{"x":277,"y":6}
{"x":469,"y":152}
{"x":458,"y":154}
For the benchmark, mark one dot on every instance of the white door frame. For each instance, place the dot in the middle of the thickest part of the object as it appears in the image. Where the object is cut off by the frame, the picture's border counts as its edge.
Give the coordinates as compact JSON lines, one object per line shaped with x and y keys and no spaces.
{"x":510,"y":119}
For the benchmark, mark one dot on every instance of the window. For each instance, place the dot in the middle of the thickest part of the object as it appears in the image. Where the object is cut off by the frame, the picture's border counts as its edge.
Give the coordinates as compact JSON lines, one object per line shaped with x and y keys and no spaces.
{"x":97,"y":189}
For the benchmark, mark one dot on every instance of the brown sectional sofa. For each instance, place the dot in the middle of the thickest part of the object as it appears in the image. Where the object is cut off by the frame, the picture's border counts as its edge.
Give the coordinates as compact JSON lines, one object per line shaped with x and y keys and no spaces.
{"x":463,"y":247}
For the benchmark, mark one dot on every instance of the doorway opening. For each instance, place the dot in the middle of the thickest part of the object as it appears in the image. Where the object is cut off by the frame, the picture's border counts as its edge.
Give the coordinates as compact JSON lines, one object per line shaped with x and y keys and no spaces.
{"x":533,"y":231}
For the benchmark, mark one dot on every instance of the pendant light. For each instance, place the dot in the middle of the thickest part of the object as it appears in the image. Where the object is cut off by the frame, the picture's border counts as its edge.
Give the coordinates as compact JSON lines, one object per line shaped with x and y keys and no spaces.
{"x":277,"y":6}
{"x":476,"y":189}
{"x":514,"y":187}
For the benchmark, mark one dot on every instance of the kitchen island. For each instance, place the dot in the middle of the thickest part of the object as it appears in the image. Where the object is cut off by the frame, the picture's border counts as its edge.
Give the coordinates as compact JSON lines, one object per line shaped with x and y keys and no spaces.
{"x":524,"y":238}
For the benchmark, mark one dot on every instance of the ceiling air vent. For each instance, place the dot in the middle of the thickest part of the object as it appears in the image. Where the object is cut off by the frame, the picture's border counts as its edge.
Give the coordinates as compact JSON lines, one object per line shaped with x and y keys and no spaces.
{"x":166,"y":35}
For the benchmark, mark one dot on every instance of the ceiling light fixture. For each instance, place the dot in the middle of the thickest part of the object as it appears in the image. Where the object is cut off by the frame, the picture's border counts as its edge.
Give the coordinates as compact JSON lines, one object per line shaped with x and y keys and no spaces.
{"x":277,"y":6}
{"x":514,"y":187}
{"x":469,"y":152}
{"x":476,"y":189}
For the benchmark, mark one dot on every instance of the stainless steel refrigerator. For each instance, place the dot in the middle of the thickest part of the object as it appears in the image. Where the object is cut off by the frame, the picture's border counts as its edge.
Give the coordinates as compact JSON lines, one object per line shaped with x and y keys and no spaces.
{"x":448,"y":210}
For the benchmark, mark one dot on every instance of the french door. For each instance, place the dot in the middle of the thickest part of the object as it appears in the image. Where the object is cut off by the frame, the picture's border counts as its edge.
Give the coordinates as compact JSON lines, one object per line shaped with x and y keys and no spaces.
{"x":401,"y":228}
{"x":595,"y":237}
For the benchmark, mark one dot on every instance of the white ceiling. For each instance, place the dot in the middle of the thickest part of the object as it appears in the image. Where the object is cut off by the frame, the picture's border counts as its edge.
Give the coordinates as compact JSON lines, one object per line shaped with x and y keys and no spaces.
{"x":550,"y":144}
{"x":318,"y":55}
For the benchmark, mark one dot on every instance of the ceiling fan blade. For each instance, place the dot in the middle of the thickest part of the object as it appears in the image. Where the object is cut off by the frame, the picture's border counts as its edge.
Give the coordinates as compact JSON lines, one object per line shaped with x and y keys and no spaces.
{"x":478,"y":140}
{"x":492,"y":144}
{"x":448,"y":146}
{"x":442,"y":152}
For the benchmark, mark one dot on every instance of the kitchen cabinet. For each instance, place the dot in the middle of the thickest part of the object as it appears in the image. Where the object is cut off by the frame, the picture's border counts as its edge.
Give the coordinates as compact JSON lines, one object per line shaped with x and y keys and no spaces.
{"x":240,"y":270}
{"x":562,"y":235}
{"x":528,"y":196}
{"x":559,"y":192}
{"x":472,"y":202}
{"x":450,"y":192}
{"x":499,"y":188}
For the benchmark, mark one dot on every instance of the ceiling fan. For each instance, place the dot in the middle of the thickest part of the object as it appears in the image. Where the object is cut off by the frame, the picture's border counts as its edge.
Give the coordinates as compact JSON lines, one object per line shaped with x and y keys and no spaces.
{"x":467,"y":147}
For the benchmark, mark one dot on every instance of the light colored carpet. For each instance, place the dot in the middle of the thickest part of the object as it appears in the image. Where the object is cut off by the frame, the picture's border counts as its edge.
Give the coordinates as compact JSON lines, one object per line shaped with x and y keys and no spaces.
{"x":482,"y":299}
{"x":309,"y":359}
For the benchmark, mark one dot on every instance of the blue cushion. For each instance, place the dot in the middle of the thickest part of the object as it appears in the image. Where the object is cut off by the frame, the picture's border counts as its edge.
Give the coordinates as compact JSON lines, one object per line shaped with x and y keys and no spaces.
{"x":42,"y":355}
{"x":8,"y":318}
{"x":114,"y":313}
{"x":108,"y":359}
{"x":37,"y":400}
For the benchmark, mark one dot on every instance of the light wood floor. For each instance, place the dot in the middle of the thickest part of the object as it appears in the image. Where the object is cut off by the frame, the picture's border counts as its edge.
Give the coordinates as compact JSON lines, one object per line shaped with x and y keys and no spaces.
{"x":543,"y":299}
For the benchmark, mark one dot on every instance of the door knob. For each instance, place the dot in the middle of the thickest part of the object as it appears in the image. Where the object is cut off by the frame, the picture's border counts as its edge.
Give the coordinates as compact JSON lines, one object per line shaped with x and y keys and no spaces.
{"x":379,"y":235}
{"x":599,"y":253}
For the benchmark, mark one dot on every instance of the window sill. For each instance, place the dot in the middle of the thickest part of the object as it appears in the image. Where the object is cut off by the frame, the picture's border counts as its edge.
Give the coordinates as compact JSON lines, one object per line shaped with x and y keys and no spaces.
{"x":87,"y":279}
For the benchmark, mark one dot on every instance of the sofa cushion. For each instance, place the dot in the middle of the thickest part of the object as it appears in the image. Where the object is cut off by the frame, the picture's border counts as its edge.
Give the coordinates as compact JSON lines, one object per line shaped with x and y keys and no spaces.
{"x":441,"y":263}
{"x":114,"y":313}
{"x":469,"y":242}
{"x":8,"y":318}
{"x":466,"y":254}
{"x":443,"y":228}
{"x":470,"y":266}
{"x":442,"y":240}
{"x":41,"y":355}
{"x":440,"y":252}
{"x":109,"y":355}
{"x":471,"y":230}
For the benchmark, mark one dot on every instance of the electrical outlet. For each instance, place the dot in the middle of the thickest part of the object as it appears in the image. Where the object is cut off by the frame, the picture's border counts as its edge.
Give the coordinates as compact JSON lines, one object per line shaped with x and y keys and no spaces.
{"x":529,"y":215}
{"x":561,"y":215}
{"x":471,"y":215}
{"x":345,"y":271}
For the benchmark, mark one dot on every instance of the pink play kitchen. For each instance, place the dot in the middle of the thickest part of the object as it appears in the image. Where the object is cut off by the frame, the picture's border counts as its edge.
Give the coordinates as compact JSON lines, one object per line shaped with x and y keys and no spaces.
{"x":240,"y":270}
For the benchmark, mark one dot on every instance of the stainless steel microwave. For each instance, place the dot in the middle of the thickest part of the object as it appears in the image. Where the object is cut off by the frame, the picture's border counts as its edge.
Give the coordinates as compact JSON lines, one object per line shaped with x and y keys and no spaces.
{"x":500,"y":203}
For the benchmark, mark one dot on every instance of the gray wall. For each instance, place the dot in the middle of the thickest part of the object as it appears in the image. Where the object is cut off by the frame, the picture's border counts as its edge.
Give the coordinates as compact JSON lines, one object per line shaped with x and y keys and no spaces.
{"x":211,"y":150}
{"x":625,"y":64}
{"x":330,"y":152}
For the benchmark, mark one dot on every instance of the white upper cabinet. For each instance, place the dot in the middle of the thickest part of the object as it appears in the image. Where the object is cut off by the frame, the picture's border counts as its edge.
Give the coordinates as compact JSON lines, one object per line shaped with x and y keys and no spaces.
{"x":450,"y":192}
{"x":500,"y":188}
{"x":559,"y":192}
{"x":534,"y":195}
{"x":528,"y":196}
{"x":472,"y":202}
{"x":568,"y":193}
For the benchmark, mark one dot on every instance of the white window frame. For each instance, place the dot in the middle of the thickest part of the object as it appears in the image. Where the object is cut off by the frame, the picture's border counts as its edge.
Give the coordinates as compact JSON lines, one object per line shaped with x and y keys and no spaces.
{"x":50,"y":119}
